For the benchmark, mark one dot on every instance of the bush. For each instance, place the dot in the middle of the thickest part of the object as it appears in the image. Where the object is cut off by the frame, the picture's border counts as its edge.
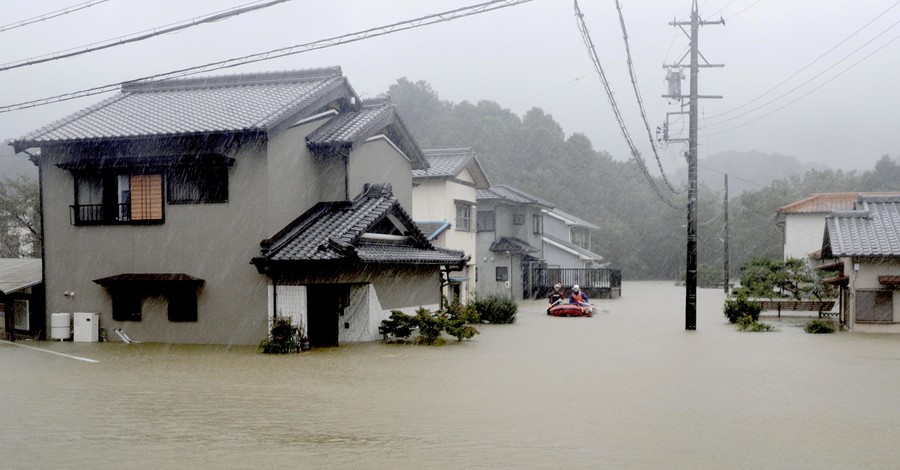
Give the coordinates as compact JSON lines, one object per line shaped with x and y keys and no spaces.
{"x":740,"y":306}
{"x":819,"y":327}
{"x":496,"y":308}
{"x":283,"y":339}
{"x":399,"y":327}
{"x":747,"y":323}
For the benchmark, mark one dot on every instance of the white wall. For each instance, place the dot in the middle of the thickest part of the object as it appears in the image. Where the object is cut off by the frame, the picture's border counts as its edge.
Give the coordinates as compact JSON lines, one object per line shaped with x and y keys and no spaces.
{"x":867,"y":278}
{"x":803,"y":234}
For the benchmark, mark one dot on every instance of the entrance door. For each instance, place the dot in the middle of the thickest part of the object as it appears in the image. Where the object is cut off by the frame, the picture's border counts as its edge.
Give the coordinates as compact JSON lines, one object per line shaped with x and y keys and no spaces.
{"x":325,"y":306}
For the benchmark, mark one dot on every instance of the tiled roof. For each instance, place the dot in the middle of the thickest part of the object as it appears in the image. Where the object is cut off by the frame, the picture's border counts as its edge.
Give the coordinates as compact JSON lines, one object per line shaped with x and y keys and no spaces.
{"x":449,"y":163}
{"x":219,"y":104}
{"x":348,"y":128}
{"x":871,"y":230}
{"x":502,"y":192}
{"x":584,"y":254}
{"x":375,"y":117}
{"x":19,"y":273}
{"x":513,"y":245}
{"x":445,"y":162}
{"x":337,"y":231}
{"x":824,"y":203}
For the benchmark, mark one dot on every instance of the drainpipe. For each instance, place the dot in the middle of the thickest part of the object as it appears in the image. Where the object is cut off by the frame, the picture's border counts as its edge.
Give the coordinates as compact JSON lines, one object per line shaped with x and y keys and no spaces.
{"x":345,"y":156}
{"x":274,"y":299}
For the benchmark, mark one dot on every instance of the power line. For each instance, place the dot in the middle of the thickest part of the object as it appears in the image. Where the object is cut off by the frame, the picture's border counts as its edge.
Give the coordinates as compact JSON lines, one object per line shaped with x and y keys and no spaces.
{"x":807,"y":65}
{"x":807,"y":93}
{"x":52,"y":14}
{"x":282,"y":52}
{"x":140,"y":36}
{"x":592,"y":53}
{"x":745,"y":9}
{"x":640,"y":102}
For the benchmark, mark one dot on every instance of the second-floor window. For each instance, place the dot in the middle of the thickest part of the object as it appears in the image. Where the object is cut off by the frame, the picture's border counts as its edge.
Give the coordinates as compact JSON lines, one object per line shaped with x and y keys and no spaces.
{"x":518,"y":219}
{"x":110,"y":198}
{"x":537,"y":223}
{"x":192,"y":184}
{"x":580,"y":238}
{"x":463,"y":216}
{"x":486,"y":221}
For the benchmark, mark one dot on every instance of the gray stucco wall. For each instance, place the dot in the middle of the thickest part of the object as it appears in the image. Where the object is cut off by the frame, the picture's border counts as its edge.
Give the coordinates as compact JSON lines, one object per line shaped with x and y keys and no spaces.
{"x":378,"y":161}
{"x":211,"y":241}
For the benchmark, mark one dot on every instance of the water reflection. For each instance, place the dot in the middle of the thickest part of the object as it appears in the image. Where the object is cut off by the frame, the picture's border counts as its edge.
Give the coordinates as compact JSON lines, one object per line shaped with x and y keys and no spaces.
{"x":628,"y":388}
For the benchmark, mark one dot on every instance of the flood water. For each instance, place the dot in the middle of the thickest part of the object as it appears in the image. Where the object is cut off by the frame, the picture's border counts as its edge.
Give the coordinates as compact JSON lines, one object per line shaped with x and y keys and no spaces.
{"x":628,"y":389}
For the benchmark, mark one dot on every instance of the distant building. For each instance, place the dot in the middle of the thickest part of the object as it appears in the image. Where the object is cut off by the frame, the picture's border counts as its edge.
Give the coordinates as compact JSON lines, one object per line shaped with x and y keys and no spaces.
{"x":803,"y":222}
{"x":445,"y":207}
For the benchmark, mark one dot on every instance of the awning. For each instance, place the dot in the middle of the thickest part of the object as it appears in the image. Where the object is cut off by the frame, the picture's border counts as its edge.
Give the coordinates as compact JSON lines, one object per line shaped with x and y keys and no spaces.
{"x":150,"y":279}
{"x":893,"y":281}
{"x":837,"y":281}
{"x":838,"y":266}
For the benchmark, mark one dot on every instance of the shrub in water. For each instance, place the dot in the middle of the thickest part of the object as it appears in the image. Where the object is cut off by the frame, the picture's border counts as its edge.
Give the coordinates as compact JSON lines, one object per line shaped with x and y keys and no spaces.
{"x":430,"y":326}
{"x":819,"y":327}
{"x":747,"y":323}
{"x":398,"y":327}
{"x":496,"y":308}
{"x":740,"y":306}
{"x":282,"y":339}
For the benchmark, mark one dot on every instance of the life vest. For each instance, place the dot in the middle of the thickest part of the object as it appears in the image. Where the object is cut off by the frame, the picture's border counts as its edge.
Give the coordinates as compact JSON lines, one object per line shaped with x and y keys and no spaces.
{"x":577,"y":297}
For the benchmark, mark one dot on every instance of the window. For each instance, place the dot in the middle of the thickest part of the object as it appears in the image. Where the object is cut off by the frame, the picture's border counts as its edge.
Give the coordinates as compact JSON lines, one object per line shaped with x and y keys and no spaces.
{"x":198,"y":184}
{"x":502,"y":273}
{"x":182,"y":306}
{"x":537,"y":223}
{"x":463,"y":216}
{"x":874,"y":306}
{"x":117,"y":198}
{"x":518,"y":219}
{"x":126,"y":305}
{"x":486,"y":221}
{"x":580,"y":238}
{"x":20,"y":314}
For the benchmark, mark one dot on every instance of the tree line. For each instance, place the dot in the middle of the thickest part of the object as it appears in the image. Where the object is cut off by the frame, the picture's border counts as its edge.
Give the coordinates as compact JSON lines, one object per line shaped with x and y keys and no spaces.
{"x":638,"y":233}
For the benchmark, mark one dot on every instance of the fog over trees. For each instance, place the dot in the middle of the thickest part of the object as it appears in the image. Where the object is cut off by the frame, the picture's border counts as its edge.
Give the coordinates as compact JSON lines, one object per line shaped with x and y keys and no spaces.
{"x":638,"y":233}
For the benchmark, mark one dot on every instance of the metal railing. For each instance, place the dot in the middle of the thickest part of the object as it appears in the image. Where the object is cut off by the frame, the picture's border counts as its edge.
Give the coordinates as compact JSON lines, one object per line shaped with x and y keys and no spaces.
{"x":100,"y":214}
{"x":596,"y":282}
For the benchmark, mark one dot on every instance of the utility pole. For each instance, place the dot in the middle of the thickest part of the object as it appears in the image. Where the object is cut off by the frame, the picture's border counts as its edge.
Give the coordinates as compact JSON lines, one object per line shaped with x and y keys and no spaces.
{"x":690,"y":311}
{"x":726,"y":235}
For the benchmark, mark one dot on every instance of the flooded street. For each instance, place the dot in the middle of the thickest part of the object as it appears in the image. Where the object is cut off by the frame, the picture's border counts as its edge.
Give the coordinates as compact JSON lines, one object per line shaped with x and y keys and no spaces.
{"x":629,"y":388}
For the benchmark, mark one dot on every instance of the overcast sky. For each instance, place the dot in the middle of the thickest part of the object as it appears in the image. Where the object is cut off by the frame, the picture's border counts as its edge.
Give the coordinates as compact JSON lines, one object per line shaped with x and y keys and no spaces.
{"x":530,"y":55}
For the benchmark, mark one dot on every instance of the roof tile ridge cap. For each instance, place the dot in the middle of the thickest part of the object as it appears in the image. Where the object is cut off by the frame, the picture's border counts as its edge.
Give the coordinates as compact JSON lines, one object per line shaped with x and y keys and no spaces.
{"x":234,"y":80}
{"x":279,"y":115}
{"x":74,"y":116}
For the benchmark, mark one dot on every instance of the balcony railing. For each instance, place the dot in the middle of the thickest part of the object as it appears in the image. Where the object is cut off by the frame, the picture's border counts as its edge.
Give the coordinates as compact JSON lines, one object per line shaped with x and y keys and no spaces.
{"x":106,"y":214}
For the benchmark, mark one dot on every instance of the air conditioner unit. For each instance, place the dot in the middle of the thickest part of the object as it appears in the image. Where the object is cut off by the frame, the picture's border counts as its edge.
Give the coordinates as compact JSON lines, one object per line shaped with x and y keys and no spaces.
{"x":87,"y":327}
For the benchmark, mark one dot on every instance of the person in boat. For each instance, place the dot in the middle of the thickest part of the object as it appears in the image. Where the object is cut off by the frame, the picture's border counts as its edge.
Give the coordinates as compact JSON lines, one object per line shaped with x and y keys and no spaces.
{"x":578,"y":297}
{"x":557,"y":294}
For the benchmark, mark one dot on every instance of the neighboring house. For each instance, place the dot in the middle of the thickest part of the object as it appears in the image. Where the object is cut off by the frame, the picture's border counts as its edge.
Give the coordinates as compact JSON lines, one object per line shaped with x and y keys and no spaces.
{"x":866,"y":243}
{"x":21,"y":298}
{"x":803,"y":221}
{"x":510,"y":225}
{"x":444,"y":207}
{"x":157,"y":199}
{"x":567,"y":241}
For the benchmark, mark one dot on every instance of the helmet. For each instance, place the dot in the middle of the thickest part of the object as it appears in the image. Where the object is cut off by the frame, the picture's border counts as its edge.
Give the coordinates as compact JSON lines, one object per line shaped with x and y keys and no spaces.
{"x":575,"y":288}
{"x":557,"y":286}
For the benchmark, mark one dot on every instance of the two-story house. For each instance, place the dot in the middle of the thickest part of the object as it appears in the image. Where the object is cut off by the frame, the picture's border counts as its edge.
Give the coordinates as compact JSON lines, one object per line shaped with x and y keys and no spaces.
{"x":510,"y":229}
{"x":193,"y":210}
{"x":567,"y":241}
{"x":444,"y":207}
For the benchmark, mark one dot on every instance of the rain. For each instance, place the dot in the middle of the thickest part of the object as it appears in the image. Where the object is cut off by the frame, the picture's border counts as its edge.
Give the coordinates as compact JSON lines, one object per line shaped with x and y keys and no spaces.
{"x":272,"y":233}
